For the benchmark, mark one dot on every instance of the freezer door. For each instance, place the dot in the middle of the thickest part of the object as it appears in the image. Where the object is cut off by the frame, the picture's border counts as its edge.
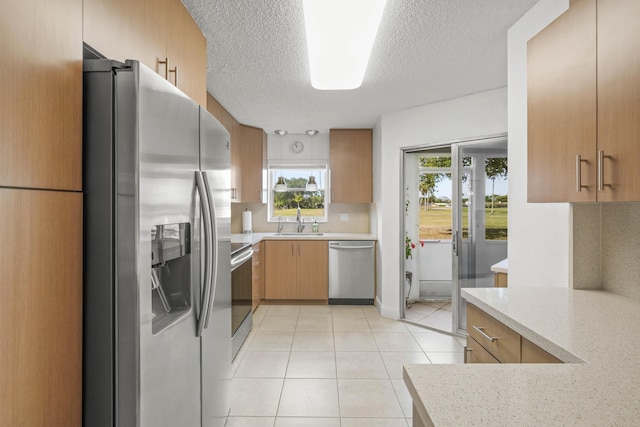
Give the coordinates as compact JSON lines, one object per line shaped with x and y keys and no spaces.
{"x":164,"y":139}
{"x":216,"y":337}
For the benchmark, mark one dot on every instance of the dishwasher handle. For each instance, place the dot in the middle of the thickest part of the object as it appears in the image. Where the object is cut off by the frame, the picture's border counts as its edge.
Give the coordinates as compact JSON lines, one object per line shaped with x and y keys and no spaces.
{"x":337,"y":246}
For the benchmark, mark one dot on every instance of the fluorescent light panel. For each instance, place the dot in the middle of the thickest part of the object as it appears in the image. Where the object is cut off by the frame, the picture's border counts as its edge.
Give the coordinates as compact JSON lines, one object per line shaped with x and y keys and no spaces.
{"x":340,"y":36}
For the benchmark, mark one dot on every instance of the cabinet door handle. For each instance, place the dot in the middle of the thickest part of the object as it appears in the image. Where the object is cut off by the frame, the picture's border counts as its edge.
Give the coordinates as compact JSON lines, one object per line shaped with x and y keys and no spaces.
{"x":484,"y":334}
{"x":579,"y":185}
{"x":601,"y":158}
{"x":166,"y":67}
{"x":175,"y":71}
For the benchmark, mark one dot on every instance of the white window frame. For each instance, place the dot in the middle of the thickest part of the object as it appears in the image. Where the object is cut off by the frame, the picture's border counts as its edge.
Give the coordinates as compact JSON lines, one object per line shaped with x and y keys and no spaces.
{"x":322,"y":167}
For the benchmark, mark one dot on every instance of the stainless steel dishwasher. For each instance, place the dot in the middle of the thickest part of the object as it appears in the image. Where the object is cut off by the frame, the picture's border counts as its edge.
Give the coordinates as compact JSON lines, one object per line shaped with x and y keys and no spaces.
{"x":351,"y":272}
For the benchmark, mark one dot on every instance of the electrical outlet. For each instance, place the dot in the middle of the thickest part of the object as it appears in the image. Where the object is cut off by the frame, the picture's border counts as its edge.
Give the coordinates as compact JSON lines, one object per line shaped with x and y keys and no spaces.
{"x":344,"y":217}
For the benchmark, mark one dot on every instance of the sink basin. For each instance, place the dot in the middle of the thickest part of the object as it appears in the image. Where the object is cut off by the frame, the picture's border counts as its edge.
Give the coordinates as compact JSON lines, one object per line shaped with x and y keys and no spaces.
{"x":298,"y":234}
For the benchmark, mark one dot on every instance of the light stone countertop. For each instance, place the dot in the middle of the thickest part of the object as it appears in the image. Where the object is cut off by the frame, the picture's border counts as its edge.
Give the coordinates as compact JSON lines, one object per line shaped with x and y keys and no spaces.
{"x":594,"y":331}
{"x":254,"y":238}
{"x":501,"y":267}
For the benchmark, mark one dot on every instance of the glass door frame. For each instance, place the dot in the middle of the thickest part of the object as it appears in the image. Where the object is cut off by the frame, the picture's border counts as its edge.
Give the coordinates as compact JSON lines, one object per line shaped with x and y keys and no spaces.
{"x":456,"y":226}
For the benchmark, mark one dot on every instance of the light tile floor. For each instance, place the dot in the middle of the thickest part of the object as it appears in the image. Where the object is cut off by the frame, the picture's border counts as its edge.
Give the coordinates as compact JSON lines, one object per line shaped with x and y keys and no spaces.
{"x":436,"y":315}
{"x":330,"y":366}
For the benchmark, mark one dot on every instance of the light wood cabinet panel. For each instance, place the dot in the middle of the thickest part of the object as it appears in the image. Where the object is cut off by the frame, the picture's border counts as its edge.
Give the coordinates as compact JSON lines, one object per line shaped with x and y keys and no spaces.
{"x":41,"y":315}
{"x":583,"y":99}
{"x":313,"y":270}
{"x":475,"y":353}
{"x":258,"y":275}
{"x":280,"y":274}
{"x":41,"y":87}
{"x":619,"y":98}
{"x":505,"y":346}
{"x":186,"y":52}
{"x":500,"y":280}
{"x":248,"y":164}
{"x":531,"y":353}
{"x":351,"y":165}
{"x":151,"y":31}
{"x":561,"y":102}
{"x":296,"y":270}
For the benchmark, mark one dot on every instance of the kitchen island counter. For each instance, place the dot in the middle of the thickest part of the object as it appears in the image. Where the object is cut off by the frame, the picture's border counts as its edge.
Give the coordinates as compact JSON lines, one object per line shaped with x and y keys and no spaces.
{"x":254,"y":238}
{"x":592,"y":331}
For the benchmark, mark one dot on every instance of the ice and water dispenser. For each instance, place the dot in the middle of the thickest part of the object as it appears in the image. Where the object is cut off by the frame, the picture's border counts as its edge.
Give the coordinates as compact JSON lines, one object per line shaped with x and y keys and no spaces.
{"x":170,"y":274}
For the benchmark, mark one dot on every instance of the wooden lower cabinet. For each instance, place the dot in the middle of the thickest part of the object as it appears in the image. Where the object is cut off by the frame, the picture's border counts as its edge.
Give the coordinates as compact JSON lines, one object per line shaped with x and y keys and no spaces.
{"x":499,"y":344}
{"x":41,"y":315}
{"x":257,"y":290}
{"x":531,"y":353}
{"x":296,"y":270}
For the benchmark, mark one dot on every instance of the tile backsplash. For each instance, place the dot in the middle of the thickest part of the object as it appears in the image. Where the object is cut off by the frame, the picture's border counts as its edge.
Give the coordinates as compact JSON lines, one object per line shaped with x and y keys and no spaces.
{"x":606,"y":247}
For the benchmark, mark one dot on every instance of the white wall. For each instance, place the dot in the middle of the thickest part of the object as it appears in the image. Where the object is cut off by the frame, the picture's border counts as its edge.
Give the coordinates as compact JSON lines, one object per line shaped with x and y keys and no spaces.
{"x":538,"y":233}
{"x":468,"y":117}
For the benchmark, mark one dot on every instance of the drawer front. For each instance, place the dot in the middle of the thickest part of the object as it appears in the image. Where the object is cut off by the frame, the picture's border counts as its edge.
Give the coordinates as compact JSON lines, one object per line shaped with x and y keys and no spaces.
{"x":499,"y":340}
{"x":475,"y":353}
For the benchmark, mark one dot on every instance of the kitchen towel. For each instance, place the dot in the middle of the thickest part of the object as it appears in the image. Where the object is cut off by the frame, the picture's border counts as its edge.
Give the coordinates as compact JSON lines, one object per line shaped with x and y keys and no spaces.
{"x":246,"y":222}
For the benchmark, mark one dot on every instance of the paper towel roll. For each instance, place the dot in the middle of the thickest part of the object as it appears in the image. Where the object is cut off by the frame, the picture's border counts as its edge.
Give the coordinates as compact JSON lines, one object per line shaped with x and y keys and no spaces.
{"x":246,"y":222}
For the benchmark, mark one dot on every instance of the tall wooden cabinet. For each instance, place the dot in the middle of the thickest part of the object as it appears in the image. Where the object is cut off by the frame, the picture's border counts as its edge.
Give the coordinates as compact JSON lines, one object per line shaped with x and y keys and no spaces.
{"x":41,"y":102}
{"x":351,"y":165}
{"x":296,"y":270}
{"x":151,"y":31}
{"x":41,"y":213}
{"x":583,"y":91}
{"x":41,"y":315}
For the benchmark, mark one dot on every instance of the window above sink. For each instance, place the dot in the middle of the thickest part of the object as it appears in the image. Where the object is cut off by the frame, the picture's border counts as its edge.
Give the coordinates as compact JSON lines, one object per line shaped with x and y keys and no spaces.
{"x":293,"y":191}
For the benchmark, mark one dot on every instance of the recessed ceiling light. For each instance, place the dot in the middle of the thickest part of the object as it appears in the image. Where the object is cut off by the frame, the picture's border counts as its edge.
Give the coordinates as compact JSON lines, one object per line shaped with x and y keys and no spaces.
{"x":280,"y":132}
{"x":340,"y":36}
{"x":311,"y":132}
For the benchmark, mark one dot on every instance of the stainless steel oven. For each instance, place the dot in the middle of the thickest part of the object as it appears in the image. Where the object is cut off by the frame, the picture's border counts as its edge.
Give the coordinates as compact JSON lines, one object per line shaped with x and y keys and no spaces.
{"x":241,"y":292}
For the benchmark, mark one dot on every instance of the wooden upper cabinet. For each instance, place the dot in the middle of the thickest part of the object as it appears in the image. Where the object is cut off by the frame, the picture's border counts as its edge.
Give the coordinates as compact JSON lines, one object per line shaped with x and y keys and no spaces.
{"x":186,"y":52}
{"x":41,"y":102}
{"x":584,"y":100}
{"x":248,"y":164}
{"x":151,"y":31}
{"x":561,"y":102}
{"x":619,"y":98}
{"x":41,"y":315}
{"x":351,"y":165}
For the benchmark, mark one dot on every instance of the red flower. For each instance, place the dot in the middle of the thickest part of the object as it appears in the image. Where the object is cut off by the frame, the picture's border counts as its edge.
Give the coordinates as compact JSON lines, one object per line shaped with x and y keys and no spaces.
{"x":413,"y":246}
{"x":422,"y":243}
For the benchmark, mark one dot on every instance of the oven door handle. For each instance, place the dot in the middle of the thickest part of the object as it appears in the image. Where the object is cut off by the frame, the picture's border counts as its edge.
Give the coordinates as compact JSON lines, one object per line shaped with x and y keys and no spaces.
{"x":206,"y":222}
{"x":240,"y":259}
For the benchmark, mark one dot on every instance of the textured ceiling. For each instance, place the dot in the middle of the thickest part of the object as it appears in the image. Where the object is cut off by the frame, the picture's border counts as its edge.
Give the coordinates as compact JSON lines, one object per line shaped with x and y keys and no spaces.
{"x":425,"y":51}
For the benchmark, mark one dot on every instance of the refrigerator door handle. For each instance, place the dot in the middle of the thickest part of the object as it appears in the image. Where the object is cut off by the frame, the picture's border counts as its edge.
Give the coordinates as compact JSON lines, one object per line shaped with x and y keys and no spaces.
{"x":206,"y":221}
{"x":213,"y":237}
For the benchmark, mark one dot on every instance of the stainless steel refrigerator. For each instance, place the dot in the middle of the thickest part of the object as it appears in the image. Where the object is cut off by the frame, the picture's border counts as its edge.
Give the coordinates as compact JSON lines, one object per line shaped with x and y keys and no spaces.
{"x":157,"y":296}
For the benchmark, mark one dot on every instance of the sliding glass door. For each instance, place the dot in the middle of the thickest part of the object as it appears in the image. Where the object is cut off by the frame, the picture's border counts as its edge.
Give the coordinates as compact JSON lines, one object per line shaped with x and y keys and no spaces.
{"x":455,"y":227}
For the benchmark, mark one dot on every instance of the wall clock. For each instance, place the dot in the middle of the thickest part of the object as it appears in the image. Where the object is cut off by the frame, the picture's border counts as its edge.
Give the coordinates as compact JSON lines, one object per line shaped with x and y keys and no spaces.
{"x":296,"y":147}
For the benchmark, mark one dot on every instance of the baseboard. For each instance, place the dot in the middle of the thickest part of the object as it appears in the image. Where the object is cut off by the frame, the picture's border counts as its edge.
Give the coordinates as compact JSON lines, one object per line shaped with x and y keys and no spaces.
{"x":387,"y":311}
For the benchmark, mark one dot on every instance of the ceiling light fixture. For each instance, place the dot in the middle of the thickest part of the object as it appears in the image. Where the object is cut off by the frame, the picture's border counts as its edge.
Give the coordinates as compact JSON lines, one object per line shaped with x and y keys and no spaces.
{"x":311,"y":184}
{"x":280,"y":132}
{"x":311,"y":132}
{"x":340,"y":36}
{"x":281,"y":185}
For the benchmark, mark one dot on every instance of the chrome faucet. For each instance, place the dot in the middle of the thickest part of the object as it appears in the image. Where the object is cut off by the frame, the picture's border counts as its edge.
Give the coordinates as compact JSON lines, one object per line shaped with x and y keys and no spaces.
{"x":280,"y":224}
{"x":300,"y":220}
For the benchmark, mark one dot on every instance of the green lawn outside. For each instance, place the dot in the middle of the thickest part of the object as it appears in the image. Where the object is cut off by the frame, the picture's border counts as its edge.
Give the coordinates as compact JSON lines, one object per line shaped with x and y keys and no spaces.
{"x":436,"y":223}
{"x":307,"y":213}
